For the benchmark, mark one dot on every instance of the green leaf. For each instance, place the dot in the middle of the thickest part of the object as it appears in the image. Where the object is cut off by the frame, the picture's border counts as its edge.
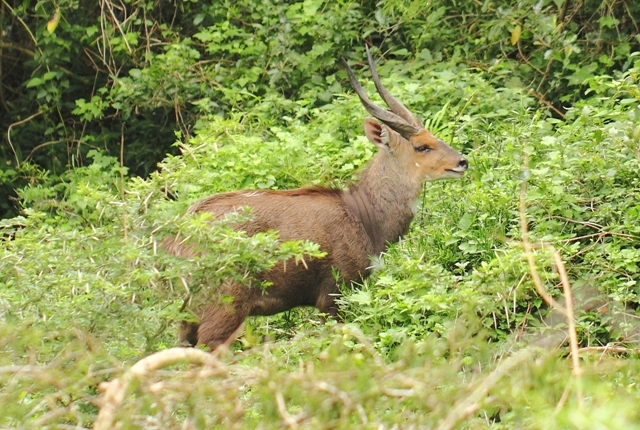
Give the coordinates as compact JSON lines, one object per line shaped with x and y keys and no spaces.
{"x":515,"y":34}
{"x":34,"y":82}
{"x":49,"y":75}
{"x":53,"y":22}
{"x":608,"y":21}
{"x":198,"y":18}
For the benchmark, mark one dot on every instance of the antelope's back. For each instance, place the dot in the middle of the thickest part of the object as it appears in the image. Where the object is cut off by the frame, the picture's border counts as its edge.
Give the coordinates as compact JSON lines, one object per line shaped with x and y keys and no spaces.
{"x":315,"y":214}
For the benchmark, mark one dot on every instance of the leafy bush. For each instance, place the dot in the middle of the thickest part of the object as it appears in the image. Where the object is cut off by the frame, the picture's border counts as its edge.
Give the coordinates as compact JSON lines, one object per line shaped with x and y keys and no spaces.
{"x":557,"y":45}
{"x":449,"y":332}
{"x":464,"y":251}
{"x":84,"y":283}
{"x":108,"y":76}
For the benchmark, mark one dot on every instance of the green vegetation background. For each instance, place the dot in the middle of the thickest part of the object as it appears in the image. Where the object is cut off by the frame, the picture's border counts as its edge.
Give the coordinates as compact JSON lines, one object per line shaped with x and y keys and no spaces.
{"x":118,"y":115}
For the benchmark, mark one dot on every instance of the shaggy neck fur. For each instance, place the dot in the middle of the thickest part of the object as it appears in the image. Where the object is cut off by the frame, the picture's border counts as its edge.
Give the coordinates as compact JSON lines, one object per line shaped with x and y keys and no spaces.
{"x":382,"y":200}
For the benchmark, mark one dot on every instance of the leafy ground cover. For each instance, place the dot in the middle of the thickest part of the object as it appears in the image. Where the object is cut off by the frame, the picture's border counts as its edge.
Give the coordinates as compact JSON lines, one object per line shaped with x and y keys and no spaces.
{"x":464,"y":323}
{"x":450,"y":331}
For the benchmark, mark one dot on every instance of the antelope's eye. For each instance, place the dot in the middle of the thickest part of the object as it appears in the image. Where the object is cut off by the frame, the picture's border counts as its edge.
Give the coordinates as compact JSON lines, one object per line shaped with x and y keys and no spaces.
{"x":422,"y":148}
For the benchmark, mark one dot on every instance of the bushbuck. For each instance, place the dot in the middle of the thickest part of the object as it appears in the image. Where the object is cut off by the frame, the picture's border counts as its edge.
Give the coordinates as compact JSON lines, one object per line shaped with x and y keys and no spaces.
{"x":351,"y":225}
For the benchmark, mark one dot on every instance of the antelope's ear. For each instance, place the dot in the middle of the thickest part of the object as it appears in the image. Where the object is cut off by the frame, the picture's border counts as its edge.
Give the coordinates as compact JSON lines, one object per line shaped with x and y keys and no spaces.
{"x":381,"y":135}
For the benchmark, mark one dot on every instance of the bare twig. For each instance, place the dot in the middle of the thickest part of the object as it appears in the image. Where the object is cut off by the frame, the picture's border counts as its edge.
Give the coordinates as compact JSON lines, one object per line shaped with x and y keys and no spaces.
{"x":26,"y":27}
{"x":605,"y":349}
{"x":42,"y":145}
{"x":563,"y":399}
{"x":562,"y":13}
{"x":473,"y":401}
{"x":571,"y":321}
{"x":15,"y":47}
{"x":635,"y":24}
{"x":116,"y":390}
{"x":566,"y":310}
{"x":15,"y":154}
{"x":544,"y":101}
{"x":526,"y":60}
{"x":117,"y":23}
{"x":282,"y":410}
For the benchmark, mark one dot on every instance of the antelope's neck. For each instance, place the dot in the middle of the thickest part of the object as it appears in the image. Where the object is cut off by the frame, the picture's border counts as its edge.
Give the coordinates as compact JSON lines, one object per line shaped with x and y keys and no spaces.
{"x":383,"y":201}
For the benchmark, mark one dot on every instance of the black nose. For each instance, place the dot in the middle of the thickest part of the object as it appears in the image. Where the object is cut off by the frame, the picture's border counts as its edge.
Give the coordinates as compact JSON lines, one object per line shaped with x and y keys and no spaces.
{"x":463,"y":163}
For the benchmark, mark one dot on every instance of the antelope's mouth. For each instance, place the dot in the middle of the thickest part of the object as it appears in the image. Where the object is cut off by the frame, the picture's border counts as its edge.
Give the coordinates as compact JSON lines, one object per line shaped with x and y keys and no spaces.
{"x":456,"y":173}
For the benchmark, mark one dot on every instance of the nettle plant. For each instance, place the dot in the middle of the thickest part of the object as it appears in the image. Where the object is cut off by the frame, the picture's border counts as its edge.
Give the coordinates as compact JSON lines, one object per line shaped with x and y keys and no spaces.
{"x":85,"y":288}
{"x":86,"y":253}
{"x":582,"y":189}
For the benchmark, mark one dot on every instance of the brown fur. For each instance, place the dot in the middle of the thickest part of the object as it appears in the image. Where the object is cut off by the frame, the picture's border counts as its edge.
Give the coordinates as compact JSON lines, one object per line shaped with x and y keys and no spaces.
{"x":351,"y":226}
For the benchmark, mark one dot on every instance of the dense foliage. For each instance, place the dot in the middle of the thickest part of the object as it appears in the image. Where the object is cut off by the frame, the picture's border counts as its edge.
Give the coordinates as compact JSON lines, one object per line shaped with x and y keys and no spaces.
{"x":451,"y":330}
{"x":107,"y":75}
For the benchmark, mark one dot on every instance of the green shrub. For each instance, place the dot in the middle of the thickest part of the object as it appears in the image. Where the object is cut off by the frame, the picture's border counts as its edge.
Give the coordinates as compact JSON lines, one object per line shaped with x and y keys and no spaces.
{"x":449,"y":330}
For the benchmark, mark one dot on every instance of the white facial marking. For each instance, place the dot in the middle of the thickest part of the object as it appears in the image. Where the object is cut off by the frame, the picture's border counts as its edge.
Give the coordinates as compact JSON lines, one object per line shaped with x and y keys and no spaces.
{"x":417,"y":165}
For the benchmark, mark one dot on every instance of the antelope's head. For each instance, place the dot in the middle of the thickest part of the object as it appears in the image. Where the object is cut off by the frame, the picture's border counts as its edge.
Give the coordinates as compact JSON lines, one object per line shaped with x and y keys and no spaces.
{"x":418,"y":153}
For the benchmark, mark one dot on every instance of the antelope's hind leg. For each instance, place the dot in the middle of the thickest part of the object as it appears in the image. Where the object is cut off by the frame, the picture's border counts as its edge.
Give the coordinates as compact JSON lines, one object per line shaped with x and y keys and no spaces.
{"x":220,"y":325}
{"x":326,"y":304}
{"x":188,"y":333}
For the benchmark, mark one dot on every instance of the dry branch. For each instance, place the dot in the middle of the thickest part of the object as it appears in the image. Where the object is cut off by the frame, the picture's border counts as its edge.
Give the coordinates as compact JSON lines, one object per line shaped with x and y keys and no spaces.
{"x":116,"y":390}
{"x":472,"y":402}
{"x":566,"y":310}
